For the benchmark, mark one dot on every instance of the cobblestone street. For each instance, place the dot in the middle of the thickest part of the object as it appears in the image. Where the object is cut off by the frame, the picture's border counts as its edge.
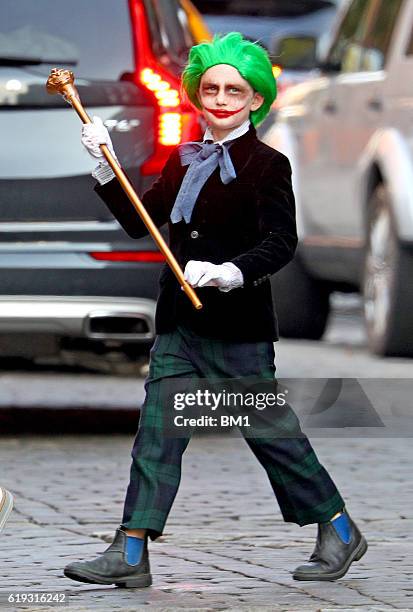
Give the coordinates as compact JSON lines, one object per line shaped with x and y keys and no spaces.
{"x":225,"y":545}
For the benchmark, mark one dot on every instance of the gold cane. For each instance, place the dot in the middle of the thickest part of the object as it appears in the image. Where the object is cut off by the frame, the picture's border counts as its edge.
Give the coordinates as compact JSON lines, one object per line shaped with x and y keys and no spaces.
{"x":61,"y":82}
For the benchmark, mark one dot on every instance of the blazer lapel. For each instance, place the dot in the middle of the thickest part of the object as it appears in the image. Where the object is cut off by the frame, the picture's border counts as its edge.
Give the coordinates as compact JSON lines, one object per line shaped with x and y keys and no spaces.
{"x":243,"y":148}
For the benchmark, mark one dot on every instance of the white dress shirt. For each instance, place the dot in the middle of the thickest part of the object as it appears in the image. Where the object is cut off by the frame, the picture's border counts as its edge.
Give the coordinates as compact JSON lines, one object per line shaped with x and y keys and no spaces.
{"x":236,"y":133}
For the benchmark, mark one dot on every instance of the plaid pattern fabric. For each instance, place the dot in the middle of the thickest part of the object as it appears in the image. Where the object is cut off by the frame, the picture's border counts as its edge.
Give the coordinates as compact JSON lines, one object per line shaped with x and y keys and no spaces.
{"x":304,"y":490}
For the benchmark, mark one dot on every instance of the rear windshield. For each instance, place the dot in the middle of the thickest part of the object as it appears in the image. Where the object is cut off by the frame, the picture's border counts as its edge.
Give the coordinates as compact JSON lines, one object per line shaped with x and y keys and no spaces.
{"x":91,"y":37}
{"x":262,"y":8}
{"x":264,"y":20}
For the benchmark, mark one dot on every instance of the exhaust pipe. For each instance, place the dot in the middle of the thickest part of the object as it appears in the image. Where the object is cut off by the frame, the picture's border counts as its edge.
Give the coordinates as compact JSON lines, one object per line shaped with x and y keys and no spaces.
{"x":118,"y":326}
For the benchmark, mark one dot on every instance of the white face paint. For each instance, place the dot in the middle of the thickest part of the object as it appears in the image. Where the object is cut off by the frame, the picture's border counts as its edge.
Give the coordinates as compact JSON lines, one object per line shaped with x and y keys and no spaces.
{"x":227,"y":99}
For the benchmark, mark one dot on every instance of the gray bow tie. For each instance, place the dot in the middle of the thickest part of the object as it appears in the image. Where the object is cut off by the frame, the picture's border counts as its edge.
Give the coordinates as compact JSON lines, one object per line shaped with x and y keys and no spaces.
{"x":202,"y":158}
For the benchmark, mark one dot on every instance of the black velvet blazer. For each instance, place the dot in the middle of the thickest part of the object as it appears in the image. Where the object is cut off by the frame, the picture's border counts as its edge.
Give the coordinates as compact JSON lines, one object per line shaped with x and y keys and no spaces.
{"x":250,"y":222}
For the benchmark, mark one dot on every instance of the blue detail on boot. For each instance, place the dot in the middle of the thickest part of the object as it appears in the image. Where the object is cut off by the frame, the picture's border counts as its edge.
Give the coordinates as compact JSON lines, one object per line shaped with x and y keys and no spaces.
{"x":342,"y":526}
{"x":134,"y":548}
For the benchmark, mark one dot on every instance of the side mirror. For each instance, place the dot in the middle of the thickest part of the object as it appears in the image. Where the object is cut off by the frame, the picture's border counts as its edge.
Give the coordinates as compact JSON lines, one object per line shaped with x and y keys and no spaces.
{"x":295,"y":52}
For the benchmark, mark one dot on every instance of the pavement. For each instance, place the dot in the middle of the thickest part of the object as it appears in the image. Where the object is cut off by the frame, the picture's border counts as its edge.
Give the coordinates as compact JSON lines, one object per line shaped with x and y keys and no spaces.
{"x":225,"y":547}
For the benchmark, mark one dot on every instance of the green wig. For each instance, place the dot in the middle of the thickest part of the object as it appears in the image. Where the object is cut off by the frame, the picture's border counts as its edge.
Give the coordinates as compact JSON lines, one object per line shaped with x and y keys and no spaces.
{"x":250,"y":59}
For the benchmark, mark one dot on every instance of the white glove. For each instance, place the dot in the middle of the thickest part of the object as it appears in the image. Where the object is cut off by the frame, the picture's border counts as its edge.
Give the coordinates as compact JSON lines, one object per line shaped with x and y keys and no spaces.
{"x":93,"y":135}
{"x":204,"y":274}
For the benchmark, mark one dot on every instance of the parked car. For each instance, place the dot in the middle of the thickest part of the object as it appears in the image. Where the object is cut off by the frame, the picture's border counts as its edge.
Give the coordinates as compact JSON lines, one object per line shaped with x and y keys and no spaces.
{"x":70,"y":277}
{"x":349,"y":136}
{"x":269,"y":22}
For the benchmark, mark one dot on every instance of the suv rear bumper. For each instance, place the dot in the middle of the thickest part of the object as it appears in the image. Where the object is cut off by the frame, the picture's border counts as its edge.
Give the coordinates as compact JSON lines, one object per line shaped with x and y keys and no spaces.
{"x":98,"y":318}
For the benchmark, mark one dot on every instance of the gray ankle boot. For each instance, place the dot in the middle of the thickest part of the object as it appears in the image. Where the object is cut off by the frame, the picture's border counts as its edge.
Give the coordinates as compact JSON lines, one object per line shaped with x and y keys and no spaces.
{"x":332,"y":557}
{"x":111,"y":567}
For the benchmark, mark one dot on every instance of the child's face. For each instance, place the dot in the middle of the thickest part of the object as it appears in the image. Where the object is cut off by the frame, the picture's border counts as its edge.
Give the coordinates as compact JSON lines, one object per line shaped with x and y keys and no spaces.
{"x":226,"y":97}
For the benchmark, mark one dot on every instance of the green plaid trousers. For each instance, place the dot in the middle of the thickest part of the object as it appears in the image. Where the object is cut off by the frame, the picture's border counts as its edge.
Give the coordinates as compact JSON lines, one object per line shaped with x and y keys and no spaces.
{"x":303,"y":488}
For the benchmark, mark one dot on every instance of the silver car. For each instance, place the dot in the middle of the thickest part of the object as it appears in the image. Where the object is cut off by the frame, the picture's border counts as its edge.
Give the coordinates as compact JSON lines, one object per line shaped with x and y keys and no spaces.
{"x":349,"y":136}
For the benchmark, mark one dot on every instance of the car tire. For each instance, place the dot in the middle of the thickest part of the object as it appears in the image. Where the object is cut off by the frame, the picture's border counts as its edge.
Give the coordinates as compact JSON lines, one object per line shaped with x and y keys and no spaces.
{"x":301,"y":302}
{"x":386,"y":285}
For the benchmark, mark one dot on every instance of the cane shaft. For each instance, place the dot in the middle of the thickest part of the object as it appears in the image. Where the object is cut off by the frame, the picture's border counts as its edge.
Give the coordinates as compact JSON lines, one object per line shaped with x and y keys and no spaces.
{"x":153,"y":230}
{"x":80,"y":110}
{"x":70,"y":94}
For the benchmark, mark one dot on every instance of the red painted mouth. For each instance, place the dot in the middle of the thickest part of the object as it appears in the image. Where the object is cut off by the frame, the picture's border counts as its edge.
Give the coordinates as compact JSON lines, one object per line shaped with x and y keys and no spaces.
{"x":223,"y":113}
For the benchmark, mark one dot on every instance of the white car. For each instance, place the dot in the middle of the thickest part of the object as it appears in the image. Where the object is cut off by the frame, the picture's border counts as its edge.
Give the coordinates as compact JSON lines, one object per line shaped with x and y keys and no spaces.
{"x":349,"y":136}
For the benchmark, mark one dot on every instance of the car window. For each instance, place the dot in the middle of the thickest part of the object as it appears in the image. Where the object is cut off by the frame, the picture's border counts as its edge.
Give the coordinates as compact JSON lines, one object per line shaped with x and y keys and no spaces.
{"x":364,"y":37}
{"x":176,"y":25}
{"x":170,"y":33}
{"x":76,"y":36}
{"x":378,"y":37}
{"x":350,"y":33}
{"x":158,"y":36}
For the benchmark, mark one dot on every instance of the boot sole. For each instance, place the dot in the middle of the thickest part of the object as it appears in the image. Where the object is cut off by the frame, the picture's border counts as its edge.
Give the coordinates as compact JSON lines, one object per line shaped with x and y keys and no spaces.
{"x":6,"y":507}
{"x":358,"y":553}
{"x":128,"y":582}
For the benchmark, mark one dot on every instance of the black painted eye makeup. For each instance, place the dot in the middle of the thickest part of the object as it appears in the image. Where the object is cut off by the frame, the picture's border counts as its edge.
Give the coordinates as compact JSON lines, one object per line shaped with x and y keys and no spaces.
{"x":228,"y":87}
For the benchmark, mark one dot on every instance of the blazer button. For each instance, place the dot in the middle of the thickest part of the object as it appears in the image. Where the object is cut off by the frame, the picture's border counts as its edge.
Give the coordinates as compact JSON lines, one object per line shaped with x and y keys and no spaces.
{"x":194,"y":234}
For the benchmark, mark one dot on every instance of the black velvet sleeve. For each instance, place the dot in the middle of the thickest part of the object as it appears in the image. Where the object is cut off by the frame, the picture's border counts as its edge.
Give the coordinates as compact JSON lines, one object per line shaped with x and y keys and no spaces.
{"x":155,"y":201}
{"x":277,"y":224}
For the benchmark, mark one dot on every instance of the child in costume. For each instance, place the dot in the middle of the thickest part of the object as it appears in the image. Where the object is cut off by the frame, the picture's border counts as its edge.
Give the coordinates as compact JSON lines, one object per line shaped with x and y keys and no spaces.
{"x":230,"y":207}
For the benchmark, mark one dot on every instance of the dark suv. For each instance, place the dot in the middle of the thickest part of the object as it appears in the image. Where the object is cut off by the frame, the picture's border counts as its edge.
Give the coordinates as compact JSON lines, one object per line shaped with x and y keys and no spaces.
{"x":68,"y":271}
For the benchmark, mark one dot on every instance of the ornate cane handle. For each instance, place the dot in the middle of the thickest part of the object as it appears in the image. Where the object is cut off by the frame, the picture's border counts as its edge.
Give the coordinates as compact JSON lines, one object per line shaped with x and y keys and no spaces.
{"x":61,"y":82}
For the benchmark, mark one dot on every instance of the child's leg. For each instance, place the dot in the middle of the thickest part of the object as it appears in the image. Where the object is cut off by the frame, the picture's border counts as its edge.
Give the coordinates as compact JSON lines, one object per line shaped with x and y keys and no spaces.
{"x":156,"y":455}
{"x":304,"y":490}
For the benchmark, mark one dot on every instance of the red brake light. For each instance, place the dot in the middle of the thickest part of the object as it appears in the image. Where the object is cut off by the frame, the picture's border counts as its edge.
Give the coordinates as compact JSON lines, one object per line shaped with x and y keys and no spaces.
{"x":166,"y":95}
{"x":143,"y":256}
{"x":168,"y":100}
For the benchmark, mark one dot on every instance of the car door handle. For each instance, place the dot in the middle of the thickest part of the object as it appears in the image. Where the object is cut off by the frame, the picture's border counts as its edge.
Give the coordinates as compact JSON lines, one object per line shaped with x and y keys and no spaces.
{"x":375,"y":104}
{"x":330,"y":107}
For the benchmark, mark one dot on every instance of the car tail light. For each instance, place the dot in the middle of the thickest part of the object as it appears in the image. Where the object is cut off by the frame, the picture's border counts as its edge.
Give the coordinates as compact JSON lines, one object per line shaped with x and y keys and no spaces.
{"x":176,"y":121}
{"x":141,"y":256}
{"x":277,"y":71}
{"x":166,"y":95}
{"x":169,"y":123}
{"x":170,"y":128}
